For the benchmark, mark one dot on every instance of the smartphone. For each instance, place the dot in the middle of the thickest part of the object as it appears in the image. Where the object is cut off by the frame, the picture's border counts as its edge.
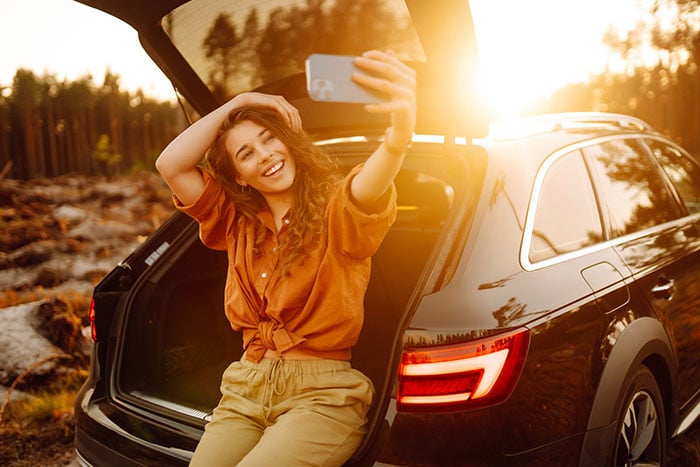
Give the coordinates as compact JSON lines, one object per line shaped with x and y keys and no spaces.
{"x":329,"y":79}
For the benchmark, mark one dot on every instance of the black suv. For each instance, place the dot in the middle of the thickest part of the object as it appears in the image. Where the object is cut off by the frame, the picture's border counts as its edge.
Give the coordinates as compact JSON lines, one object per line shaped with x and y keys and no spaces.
{"x":537,"y":301}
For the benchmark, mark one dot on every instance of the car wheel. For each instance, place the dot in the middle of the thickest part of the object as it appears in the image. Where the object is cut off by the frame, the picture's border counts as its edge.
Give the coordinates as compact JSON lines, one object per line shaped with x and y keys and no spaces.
{"x":641,"y":432}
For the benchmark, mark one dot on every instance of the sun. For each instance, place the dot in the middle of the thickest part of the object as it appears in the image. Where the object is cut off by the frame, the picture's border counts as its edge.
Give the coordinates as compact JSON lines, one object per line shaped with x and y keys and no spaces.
{"x":505,"y":97}
{"x":540,"y":46}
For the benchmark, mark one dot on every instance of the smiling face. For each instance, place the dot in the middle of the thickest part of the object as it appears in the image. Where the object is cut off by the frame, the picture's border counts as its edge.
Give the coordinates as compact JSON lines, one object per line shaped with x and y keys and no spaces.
{"x":261,"y":160}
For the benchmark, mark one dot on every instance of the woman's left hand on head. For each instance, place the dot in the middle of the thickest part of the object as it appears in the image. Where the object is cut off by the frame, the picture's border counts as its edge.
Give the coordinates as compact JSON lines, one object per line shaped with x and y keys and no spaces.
{"x":390,"y":76}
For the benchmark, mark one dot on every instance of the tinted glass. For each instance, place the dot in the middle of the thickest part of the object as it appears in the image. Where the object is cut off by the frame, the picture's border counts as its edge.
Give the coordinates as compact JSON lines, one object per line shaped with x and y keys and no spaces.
{"x":567,"y":217}
{"x":683,"y":172}
{"x":235,"y":46}
{"x":633,"y":189}
{"x":422,"y":199}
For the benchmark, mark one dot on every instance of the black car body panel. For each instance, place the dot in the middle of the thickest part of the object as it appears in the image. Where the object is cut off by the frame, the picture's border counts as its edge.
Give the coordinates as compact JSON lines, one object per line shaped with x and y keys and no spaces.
{"x":570,"y":241}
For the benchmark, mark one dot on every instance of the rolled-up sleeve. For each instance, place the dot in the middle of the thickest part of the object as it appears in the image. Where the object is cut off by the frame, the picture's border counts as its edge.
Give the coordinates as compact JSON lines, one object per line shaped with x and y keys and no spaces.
{"x":214,"y":212}
{"x":359,"y":230}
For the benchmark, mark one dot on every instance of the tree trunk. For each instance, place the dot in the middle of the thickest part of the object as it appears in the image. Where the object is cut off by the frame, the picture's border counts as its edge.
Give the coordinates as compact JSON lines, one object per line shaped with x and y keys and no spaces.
{"x":29,"y":149}
{"x":39,"y":144}
{"x":51,"y":136}
{"x":4,"y":141}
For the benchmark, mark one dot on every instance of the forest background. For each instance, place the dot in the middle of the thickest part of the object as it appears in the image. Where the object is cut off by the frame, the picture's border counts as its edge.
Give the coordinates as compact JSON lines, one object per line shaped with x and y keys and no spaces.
{"x":94,"y":131}
{"x":50,"y":127}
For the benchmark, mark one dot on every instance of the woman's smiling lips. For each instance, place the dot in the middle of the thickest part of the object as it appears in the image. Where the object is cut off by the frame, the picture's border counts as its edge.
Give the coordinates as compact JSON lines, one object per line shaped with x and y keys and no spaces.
{"x":274,"y":169}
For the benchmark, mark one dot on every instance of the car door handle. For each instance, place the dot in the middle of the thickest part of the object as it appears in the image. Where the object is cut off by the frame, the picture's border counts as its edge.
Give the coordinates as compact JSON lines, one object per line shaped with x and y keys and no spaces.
{"x":663,"y":289}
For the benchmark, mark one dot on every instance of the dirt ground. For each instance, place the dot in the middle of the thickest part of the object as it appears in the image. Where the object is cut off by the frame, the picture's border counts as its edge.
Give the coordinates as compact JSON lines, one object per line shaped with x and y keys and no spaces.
{"x":58,"y":238}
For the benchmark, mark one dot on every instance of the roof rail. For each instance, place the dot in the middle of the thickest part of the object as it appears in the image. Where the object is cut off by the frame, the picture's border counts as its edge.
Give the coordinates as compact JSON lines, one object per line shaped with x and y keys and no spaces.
{"x":547,"y":123}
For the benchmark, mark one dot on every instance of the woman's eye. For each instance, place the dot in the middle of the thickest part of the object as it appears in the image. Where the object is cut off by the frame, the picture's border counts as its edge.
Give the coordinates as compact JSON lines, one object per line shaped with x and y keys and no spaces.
{"x":268,"y":137}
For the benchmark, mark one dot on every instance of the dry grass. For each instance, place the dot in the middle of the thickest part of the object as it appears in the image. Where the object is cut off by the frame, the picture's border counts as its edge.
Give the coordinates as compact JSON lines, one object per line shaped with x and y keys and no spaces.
{"x":76,"y":302}
{"x":39,"y":430}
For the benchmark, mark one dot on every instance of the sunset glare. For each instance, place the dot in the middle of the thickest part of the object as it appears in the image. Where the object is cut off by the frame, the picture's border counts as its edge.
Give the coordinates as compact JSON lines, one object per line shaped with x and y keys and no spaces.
{"x":527,"y":49}
{"x":530,"y":49}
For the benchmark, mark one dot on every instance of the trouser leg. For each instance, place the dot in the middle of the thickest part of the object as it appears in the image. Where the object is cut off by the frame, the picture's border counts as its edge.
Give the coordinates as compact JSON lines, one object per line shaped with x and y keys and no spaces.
{"x":305,"y":438}
{"x":237,"y":422}
{"x":226,"y":441}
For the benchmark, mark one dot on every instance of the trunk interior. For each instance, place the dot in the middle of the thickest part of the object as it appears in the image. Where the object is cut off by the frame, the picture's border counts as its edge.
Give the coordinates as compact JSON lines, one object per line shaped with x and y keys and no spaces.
{"x":177,"y":342}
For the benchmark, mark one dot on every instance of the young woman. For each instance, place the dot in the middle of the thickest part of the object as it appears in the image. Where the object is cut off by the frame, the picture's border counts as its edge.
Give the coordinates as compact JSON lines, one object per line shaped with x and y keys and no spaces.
{"x":299,"y":239}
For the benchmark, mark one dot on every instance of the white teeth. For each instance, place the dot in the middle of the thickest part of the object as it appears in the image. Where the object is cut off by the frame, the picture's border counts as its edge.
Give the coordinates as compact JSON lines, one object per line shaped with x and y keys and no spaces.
{"x":273,"y":169}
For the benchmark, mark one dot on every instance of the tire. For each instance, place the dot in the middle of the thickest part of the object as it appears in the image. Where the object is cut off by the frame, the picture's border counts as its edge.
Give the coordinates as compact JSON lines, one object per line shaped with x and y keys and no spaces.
{"x":641,"y":427}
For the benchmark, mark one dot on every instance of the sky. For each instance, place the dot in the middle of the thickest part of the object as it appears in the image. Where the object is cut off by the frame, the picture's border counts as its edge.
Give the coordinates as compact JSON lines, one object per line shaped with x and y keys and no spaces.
{"x":70,"y":40}
{"x":549,"y":42}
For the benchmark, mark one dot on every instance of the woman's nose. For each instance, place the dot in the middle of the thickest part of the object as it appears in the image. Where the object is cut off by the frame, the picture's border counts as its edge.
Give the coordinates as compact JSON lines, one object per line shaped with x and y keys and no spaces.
{"x":264,"y":155}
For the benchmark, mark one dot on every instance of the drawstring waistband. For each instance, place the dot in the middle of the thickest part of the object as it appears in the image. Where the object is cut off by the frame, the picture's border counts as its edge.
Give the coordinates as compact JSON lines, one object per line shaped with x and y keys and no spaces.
{"x":274,"y":373}
{"x":276,"y":383}
{"x":272,"y":377}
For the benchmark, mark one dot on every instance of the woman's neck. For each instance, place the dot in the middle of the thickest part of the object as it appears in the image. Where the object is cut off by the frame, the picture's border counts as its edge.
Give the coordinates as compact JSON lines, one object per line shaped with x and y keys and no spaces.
{"x":279,"y":206}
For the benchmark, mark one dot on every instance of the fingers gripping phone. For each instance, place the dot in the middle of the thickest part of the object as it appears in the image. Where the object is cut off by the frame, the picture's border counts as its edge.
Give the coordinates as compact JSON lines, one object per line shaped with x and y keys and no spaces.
{"x":329,"y":79}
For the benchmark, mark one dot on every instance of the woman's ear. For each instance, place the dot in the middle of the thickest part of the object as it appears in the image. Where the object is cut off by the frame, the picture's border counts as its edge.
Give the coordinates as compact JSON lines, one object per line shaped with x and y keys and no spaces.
{"x":240,"y":181}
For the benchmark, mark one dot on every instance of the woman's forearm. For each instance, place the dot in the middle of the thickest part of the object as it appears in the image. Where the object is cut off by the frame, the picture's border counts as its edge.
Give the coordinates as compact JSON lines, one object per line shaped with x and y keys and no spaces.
{"x":398,"y":81}
{"x":188,"y":148}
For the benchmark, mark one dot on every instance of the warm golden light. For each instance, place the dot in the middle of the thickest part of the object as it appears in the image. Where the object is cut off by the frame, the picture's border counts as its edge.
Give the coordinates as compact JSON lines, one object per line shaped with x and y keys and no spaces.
{"x":530,"y":49}
{"x":527,"y":49}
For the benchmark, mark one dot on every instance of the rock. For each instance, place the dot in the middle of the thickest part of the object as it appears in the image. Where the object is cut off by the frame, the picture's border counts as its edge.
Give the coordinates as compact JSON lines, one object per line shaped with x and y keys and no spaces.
{"x":19,"y":232}
{"x":57,"y":322}
{"x":16,"y":278}
{"x":76,"y":287}
{"x":90,"y":269}
{"x":93,"y":229}
{"x":69,"y":215}
{"x":21,"y":345}
{"x":29,"y":255}
{"x":50,"y":277}
{"x":58,"y":238}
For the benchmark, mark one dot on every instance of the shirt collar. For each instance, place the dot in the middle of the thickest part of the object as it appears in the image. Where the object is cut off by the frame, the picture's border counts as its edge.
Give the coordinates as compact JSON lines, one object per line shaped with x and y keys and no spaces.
{"x":266,"y":219}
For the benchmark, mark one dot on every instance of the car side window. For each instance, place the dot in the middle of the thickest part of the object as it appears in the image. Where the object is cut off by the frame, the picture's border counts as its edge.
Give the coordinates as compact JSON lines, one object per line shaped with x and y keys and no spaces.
{"x":683,"y":172}
{"x":566,"y":218}
{"x":633,"y":189}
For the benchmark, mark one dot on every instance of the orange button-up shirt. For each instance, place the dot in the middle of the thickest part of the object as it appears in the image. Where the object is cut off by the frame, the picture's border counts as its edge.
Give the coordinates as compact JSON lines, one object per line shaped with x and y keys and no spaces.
{"x":318,"y":308}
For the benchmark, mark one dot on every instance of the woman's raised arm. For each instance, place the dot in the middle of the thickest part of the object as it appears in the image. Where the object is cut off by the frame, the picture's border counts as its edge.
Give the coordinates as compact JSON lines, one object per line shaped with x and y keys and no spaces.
{"x":177,"y":164}
{"x":397,"y":80}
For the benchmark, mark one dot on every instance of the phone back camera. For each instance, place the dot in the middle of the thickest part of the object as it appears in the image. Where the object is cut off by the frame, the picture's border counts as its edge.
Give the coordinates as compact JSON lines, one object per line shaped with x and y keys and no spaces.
{"x":321,"y":89}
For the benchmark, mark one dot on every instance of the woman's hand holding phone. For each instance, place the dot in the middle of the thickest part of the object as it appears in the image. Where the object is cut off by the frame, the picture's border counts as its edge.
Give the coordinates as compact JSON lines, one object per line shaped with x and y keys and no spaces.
{"x":385,"y":74}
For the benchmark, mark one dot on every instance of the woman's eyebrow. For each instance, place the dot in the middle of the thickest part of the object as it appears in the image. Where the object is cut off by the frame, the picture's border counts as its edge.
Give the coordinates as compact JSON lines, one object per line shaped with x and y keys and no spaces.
{"x":245,"y":146}
{"x":241,"y":149}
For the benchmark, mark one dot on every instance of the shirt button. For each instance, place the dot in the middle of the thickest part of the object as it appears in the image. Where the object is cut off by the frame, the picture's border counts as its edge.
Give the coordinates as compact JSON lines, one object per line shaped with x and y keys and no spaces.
{"x":286,"y":221}
{"x":274,"y":249}
{"x":263,"y":275}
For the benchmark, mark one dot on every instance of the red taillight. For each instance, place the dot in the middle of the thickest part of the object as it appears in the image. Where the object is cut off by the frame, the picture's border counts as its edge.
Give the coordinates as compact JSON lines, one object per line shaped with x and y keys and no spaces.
{"x":461,"y":376}
{"x":91,"y":315}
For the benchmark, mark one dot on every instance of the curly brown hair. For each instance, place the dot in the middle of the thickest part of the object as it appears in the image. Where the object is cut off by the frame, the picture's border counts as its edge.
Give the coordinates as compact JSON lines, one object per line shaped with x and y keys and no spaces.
{"x":317,"y":174}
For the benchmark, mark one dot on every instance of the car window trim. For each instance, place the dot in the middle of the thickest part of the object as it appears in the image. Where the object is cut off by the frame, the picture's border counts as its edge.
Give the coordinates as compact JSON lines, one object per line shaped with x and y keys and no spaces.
{"x":671,"y":186}
{"x":526,"y":240}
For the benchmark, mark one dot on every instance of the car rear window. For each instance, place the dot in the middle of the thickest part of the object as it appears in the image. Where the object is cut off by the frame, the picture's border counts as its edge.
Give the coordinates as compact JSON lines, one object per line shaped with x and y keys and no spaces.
{"x":566,"y":218}
{"x":236,"y":46}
